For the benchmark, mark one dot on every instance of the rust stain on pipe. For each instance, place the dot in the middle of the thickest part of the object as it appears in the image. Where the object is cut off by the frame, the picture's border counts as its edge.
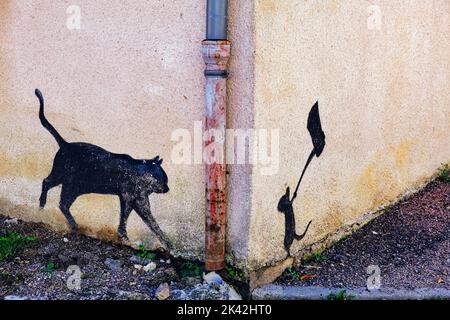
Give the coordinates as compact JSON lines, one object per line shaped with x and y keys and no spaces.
{"x":215,"y":55}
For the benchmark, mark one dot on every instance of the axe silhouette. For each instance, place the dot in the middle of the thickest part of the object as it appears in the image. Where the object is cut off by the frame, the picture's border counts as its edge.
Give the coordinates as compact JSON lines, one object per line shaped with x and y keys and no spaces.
{"x":318,"y":140}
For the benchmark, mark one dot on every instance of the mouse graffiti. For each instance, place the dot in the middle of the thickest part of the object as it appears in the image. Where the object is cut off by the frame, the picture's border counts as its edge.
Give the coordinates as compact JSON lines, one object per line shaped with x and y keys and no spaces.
{"x":82,"y":168}
{"x":285,"y":204}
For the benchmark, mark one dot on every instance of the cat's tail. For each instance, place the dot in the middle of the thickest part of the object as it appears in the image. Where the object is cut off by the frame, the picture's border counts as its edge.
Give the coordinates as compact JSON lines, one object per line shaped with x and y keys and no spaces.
{"x":47,"y":125}
{"x":300,"y":237}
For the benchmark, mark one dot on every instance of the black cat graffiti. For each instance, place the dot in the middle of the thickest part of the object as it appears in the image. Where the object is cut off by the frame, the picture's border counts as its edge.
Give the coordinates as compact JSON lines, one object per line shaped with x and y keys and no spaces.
{"x":285,"y":204}
{"x":83,"y":168}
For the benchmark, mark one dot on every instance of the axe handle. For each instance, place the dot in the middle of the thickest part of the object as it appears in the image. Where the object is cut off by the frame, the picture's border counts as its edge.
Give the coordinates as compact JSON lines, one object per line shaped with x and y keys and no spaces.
{"x":303,"y":172}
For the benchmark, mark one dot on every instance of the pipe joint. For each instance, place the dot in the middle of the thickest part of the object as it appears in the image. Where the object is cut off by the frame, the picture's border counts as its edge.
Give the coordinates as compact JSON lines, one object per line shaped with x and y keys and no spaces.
{"x":216,"y":55}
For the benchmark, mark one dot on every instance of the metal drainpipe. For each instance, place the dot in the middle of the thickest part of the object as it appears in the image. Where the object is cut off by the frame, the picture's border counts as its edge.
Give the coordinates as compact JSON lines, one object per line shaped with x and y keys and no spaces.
{"x":216,"y":52}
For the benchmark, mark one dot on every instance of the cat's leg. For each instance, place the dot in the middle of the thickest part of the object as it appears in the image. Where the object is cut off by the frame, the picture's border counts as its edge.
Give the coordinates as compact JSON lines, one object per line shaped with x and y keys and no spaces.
{"x":142,"y":208}
{"x":68,"y":197}
{"x":51,"y":181}
{"x":54,"y":178}
{"x":125,"y":210}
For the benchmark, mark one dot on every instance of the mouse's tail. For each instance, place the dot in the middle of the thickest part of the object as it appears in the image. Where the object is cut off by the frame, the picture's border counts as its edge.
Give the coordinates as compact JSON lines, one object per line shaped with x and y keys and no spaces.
{"x":47,"y":125}
{"x":300,"y":237}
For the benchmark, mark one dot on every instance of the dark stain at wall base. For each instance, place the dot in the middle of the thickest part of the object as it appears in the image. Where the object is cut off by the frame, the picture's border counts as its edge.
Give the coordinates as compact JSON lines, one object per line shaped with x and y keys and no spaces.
{"x":83,"y":168}
{"x":285,"y":204}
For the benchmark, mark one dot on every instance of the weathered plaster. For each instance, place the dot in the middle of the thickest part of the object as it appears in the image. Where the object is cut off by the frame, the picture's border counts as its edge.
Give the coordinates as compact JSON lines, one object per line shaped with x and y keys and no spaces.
{"x":384,"y":103}
{"x":124,"y":82}
{"x":134,"y":73}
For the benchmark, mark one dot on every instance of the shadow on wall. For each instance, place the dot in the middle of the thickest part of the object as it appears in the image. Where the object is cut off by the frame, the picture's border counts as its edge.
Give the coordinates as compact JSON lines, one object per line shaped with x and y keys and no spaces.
{"x":285,"y":204}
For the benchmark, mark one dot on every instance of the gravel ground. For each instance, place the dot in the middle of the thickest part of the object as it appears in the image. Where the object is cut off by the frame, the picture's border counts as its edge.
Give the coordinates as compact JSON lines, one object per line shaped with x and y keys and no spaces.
{"x":110,"y":271}
{"x":410,"y":243}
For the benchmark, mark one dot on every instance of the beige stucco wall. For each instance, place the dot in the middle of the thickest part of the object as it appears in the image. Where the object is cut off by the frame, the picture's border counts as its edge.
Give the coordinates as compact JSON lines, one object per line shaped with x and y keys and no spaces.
{"x":130,"y":76}
{"x":134,"y":73}
{"x":125,"y":81}
{"x":384,"y":102}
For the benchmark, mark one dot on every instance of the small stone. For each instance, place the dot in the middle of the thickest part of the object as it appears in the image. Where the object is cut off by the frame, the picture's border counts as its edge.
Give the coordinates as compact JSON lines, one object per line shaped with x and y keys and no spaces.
{"x":136,"y":296}
{"x":114,"y":265}
{"x":135,"y":259}
{"x":339,"y":258}
{"x":213,"y":278}
{"x":11,"y":221}
{"x":232,"y":294}
{"x":138,"y":266}
{"x":63,"y":259}
{"x":189,"y":282}
{"x":179,"y":295}
{"x":15,"y":298}
{"x":163,"y":291}
{"x":65,"y":240}
{"x":269,"y":274}
{"x":168,"y":261}
{"x":206,"y":292}
{"x":139,"y":260}
{"x":150,"y":267}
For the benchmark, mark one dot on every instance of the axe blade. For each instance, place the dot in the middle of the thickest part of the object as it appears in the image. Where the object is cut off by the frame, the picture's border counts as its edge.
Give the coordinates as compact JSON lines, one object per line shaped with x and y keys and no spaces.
{"x":315,"y":130}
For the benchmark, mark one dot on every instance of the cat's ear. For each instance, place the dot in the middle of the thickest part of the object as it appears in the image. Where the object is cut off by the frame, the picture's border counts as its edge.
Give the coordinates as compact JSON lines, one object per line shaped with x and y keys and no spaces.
{"x":288,"y":191}
{"x":157,"y":160}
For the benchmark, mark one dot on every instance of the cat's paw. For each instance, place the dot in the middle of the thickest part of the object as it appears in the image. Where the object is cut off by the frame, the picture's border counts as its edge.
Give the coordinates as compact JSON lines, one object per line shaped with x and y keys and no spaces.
{"x":74,"y":229}
{"x":124,"y":238}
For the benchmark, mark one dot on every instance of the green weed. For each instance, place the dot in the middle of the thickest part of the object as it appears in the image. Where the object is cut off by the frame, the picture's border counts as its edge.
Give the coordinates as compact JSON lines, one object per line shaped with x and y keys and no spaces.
{"x":444,"y":173}
{"x":145,"y":254}
{"x":191,"y":269}
{"x":293,"y":273}
{"x":316,"y":257}
{"x":341,"y":295}
{"x":50,"y":267}
{"x":236,"y":273}
{"x":11,"y":242}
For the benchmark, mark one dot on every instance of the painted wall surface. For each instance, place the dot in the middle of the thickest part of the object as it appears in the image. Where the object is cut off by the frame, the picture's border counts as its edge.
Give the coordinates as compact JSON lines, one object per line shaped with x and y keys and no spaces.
{"x":133,"y":74}
{"x":124,"y":81}
{"x":382,"y":78}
